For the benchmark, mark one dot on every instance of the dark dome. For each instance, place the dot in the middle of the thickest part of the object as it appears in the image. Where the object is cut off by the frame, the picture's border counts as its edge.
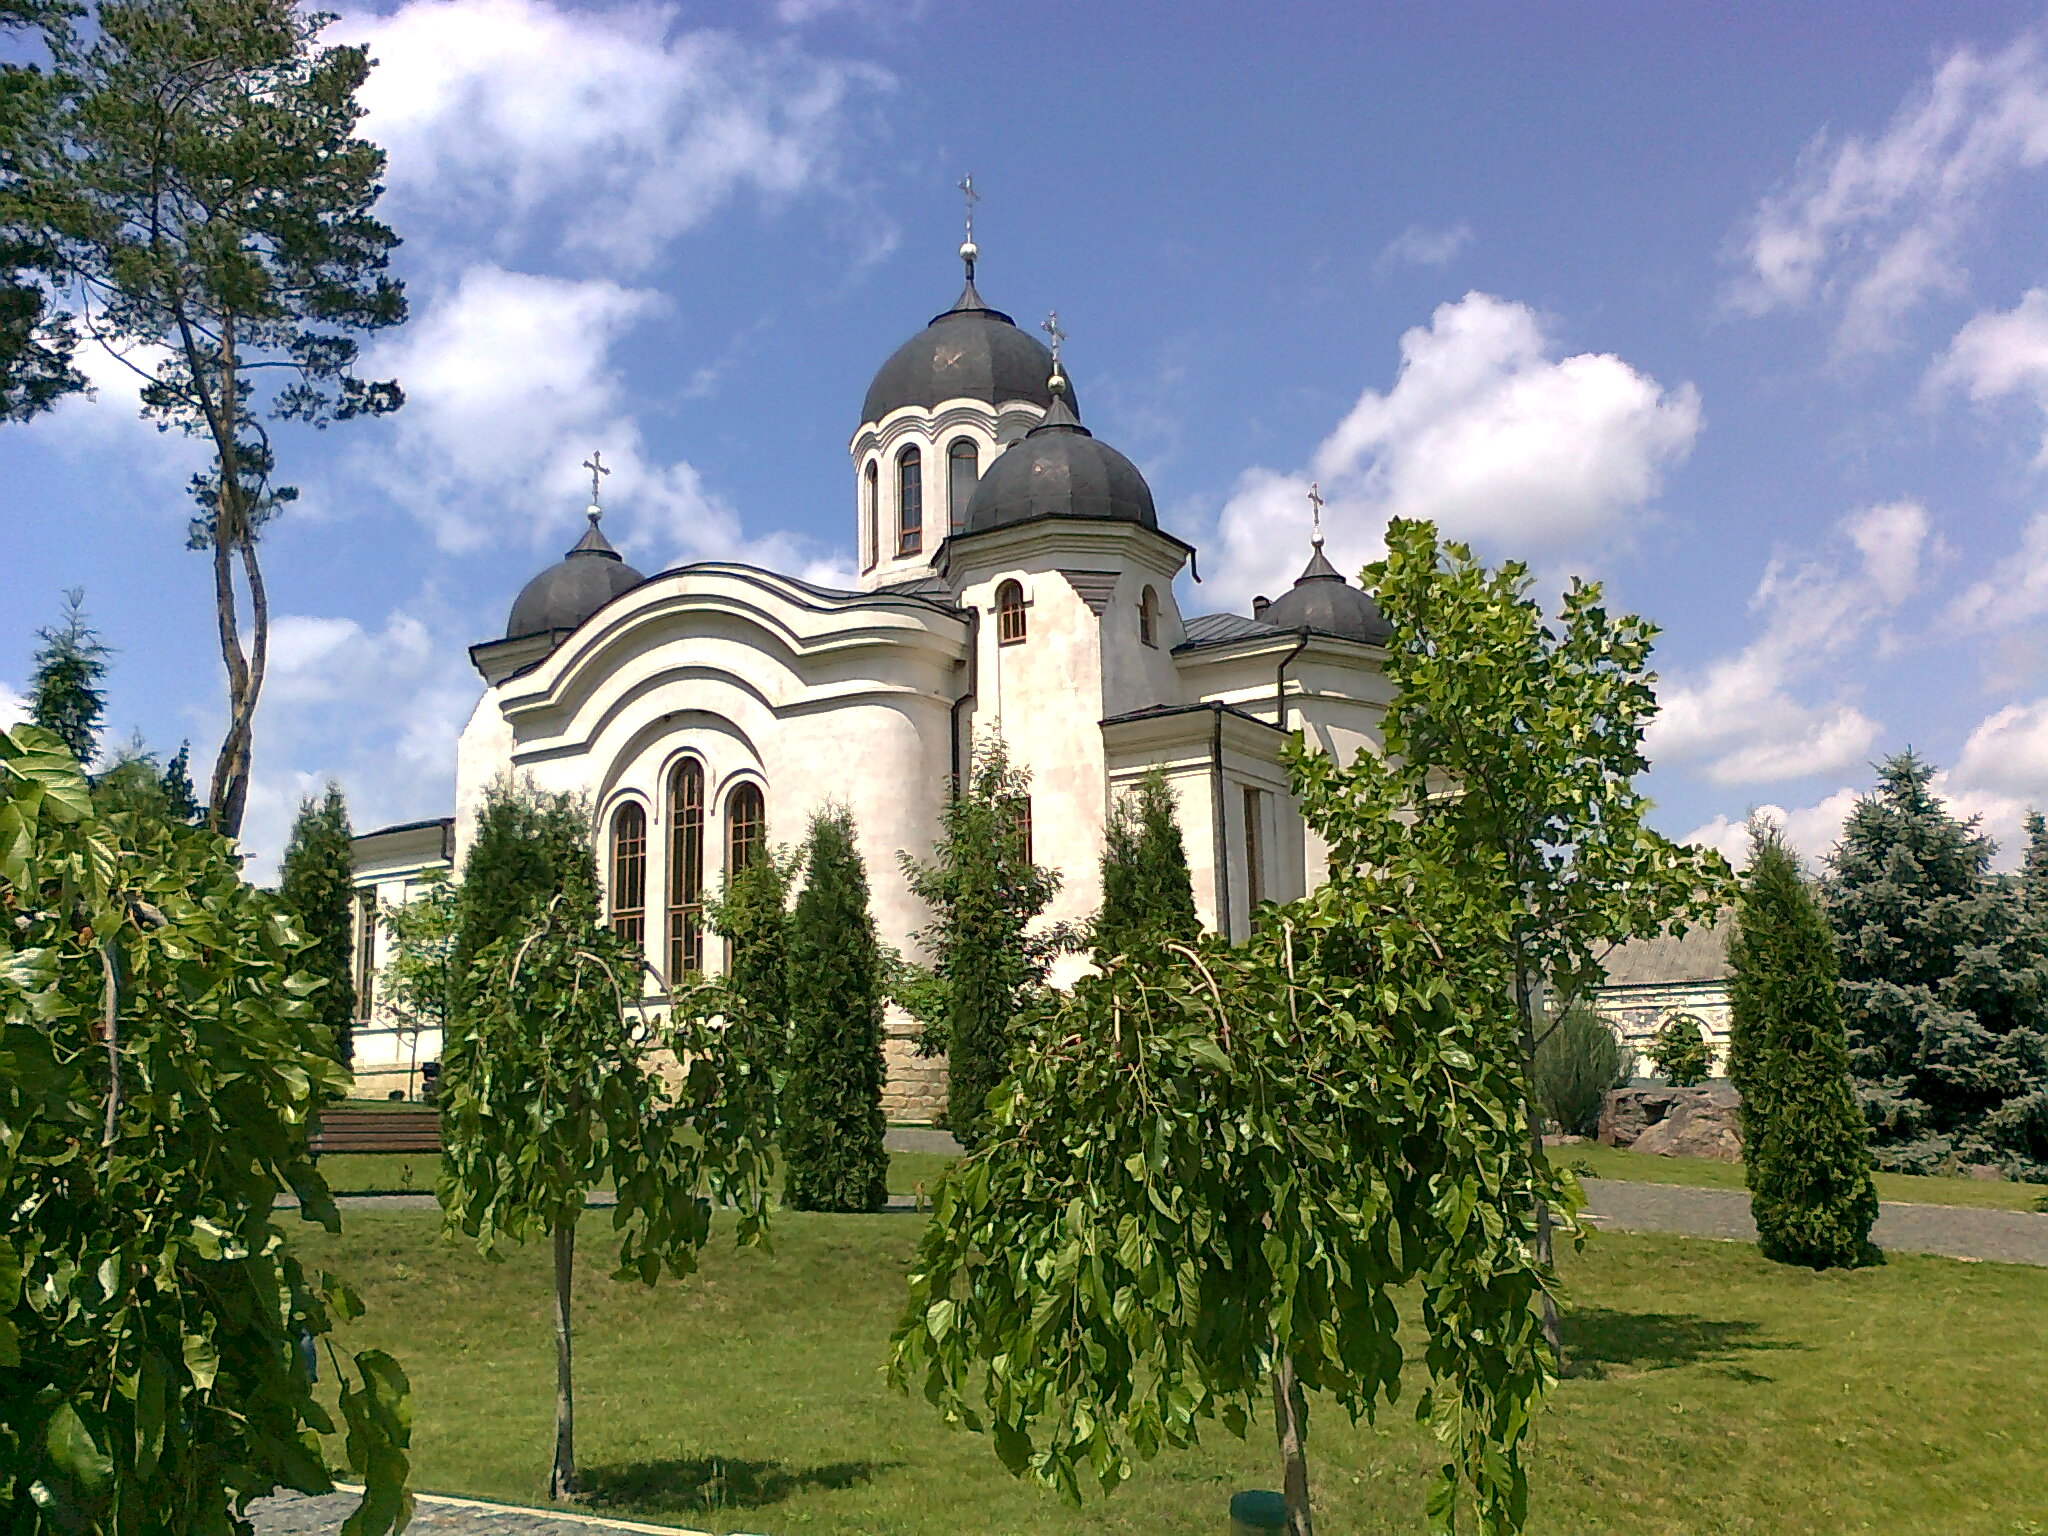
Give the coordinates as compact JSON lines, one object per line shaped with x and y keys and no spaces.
{"x":1060,"y":469}
{"x":971,"y":352}
{"x":1322,"y":600}
{"x":571,"y":590}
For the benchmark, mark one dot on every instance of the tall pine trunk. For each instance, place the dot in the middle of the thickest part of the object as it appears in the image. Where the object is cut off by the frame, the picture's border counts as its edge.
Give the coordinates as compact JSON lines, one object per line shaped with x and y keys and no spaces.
{"x":562,"y":1479}
{"x":1290,"y":1421}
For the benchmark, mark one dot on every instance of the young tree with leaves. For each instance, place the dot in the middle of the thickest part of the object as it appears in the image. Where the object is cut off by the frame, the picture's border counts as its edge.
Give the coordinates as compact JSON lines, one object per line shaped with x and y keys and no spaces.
{"x":1148,"y":897}
{"x":1804,"y":1143}
{"x":191,"y":184}
{"x":1681,"y":1052}
{"x":548,"y":1090}
{"x":752,"y":916}
{"x":65,"y":696}
{"x":832,"y":1128}
{"x":163,"y":1062}
{"x":317,"y":884}
{"x":985,"y":894}
{"x":415,"y":983}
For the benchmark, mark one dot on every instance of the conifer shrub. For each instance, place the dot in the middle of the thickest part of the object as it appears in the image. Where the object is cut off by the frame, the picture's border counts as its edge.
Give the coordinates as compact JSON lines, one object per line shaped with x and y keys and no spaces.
{"x":752,"y":915}
{"x":832,"y":1101}
{"x":318,"y":886}
{"x":65,"y":692}
{"x":1681,"y":1052}
{"x":1148,"y":897}
{"x":528,"y":847}
{"x":1577,"y":1061}
{"x":1805,"y":1143}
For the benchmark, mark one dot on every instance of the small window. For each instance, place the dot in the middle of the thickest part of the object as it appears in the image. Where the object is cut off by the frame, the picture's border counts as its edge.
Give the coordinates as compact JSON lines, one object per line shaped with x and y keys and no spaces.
{"x":1254,"y":855}
{"x":1010,"y":628}
{"x":910,"y":503}
{"x":366,"y":953}
{"x":963,"y":473}
{"x":872,"y":512}
{"x":1020,"y":818}
{"x":685,"y":870}
{"x":629,"y":872}
{"x":746,"y":827}
{"x":1148,"y":617}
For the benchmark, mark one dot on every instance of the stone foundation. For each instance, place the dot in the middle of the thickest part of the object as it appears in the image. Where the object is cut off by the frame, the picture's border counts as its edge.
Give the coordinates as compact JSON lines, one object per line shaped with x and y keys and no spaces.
{"x":915,"y":1090}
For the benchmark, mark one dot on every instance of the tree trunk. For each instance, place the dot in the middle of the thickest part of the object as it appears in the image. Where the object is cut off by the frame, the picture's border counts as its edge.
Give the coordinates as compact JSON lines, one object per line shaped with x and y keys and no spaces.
{"x":1525,"y":1004}
{"x":1290,"y":1419}
{"x":562,"y":1480}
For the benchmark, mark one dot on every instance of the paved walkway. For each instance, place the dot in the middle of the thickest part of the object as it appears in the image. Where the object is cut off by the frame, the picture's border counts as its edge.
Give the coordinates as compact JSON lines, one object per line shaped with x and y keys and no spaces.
{"x":294,"y":1514}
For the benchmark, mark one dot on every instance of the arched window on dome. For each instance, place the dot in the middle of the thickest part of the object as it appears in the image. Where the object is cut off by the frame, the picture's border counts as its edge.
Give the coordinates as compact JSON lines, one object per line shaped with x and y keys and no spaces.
{"x":963,"y":473}
{"x":910,"y":503}
{"x":1148,"y":617}
{"x":871,"y":517}
{"x":629,"y":872}
{"x":746,"y":827}
{"x":1010,"y":624}
{"x":685,"y":870}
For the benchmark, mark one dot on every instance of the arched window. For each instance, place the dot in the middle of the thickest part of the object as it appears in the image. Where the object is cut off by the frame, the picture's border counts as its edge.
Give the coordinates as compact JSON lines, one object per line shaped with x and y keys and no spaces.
{"x":872,"y":513}
{"x":963,"y":472}
{"x":1148,"y":617}
{"x":629,"y":872}
{"x":910,"y":503}
{"x":685,"y":870}
{"x":746,"y":827}
{"x":1009,"y":613}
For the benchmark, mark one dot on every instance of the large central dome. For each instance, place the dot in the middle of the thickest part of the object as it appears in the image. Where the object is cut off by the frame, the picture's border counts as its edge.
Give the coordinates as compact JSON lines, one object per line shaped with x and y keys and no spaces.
{"x":970,"y":352}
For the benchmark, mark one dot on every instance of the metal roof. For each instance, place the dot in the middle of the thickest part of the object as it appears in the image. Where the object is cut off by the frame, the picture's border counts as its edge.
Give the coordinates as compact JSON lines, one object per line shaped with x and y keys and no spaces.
{"x":970,"y":352}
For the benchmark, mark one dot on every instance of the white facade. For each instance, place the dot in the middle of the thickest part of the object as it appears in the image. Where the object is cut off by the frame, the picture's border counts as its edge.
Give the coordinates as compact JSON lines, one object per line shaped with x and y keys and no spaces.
{"x":700,"y":695}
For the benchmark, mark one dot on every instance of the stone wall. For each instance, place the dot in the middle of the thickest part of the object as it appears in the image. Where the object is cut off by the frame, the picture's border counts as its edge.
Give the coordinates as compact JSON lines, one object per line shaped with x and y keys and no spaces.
{"x":1636,"y":1013}
{"x":915,"y":1090}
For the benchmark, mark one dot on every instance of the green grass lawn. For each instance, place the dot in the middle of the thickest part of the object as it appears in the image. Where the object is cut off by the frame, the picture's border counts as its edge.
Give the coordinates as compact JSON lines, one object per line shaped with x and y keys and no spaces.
{"x":1618,"y":1163}
{"x":1712,"y":1392}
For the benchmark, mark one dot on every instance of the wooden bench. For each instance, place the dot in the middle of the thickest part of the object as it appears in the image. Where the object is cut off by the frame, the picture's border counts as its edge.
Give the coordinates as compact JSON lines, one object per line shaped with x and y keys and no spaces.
{"x":408,"y":1128}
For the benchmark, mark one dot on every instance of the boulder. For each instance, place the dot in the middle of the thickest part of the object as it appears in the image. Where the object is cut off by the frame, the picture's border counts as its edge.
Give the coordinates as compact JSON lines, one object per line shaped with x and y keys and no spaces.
{"x":1674,"y":1122}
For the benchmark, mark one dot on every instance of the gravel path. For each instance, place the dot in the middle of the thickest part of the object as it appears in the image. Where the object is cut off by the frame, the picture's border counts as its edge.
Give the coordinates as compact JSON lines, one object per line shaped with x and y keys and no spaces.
{"x":294,"y":1514}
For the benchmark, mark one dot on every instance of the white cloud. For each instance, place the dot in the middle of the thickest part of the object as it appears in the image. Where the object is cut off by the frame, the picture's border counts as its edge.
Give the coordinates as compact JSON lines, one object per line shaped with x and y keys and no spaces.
{"x":1892,"y":538}
{"x":1873,"y":226}
{"x":2008,"y":752}
{"x":597,"y":132}
{"x":1812,"y":830}
{"x":2015,"y":591}
{"x":1419,"y":245}
{"x":2001,"y":353}
{"x":1484,"y":431}
{"x":13,"y":708}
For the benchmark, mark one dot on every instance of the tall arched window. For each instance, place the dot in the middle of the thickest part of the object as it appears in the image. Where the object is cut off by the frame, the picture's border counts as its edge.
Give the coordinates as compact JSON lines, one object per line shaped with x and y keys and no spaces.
{"x":910,"y":503}
{"x":1009,"y":613}
{"x":685,"y":870}
{"x":963,"y":470}
{"x":872,"y":512}
{"x":1148,"y":617}
{"x":746,"y":827}
{"x":629,"y":872}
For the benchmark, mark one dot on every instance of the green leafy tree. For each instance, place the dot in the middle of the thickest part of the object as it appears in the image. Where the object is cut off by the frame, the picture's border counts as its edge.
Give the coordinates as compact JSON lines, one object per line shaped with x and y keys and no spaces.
{"x":317,"y":885}
{"x":752,"y":915}
{"x":187,"y":178}
{"x":1944,"y":984}
{"x":1577,"y":1062}
{"x":414,"y":985}
{"x":1805,"y":1145}
{"x":985,"y":894}
{"x":526,"y":849}
{"x":64,"y":693}
{"x":1148,"y":897}
{"x":38,"y":341}
{"x":832,"y":1130}
{"x":1513,"y":745}
{"x":550,"y":1087}
{"x":1681,"y":1052}
{"x":162,"y":1063}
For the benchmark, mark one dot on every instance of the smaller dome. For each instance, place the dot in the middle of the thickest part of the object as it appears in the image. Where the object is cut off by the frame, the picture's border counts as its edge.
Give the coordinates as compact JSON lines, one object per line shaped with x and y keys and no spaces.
{"x":572,"y":589}
{"x":1060,"y":469}
{"x":1322,"y":600}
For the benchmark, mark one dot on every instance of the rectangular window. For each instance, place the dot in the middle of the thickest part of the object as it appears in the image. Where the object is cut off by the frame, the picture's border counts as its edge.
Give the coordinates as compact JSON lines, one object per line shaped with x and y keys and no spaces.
{"x":962,"y":474}
{"x":629,"y":873}
{"x":1254,"y":855}
{"x":910,"y":504}
{"x":366,"y":953}
{"x":1020,"y":811}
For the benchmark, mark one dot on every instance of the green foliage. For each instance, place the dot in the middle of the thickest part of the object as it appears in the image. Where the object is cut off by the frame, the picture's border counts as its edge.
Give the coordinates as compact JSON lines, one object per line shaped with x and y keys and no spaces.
{"x":752,"y":915}
{"x":180,"y":802}
{"x":162,"y":1060}
{"x":317,"y":885}
{"x":1681,"y":1052}
{"x":832,"y":1104}
{"x":38,"y":341}
{"x":415,"y":983}
{"x":64,"y":693}
{"x":1944,"y":972}
{"x":984,"y":893}
{"x":1577,"y":1061}
{"x":1148,"y":897}
{"x":1803,"y":1138}
{"x":527,"y":849}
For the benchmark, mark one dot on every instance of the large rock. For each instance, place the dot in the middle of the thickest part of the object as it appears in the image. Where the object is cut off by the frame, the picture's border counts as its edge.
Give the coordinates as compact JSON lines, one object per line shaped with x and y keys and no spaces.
{"x":1674,"y":1122}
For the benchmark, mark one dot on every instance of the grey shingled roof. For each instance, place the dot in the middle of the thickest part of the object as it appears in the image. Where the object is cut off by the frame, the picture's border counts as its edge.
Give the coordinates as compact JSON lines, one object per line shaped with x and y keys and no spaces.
{"x":1221,"y":629}
{"x":1700,"y":955}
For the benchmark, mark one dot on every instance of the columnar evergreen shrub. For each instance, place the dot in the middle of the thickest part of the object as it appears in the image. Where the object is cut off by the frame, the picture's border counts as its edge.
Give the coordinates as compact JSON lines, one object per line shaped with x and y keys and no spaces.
{"x":1148,"y":897}
{"x":752,"y":915}
{"x":1805,"y":1145}
{"x":985,"y":894}
{"x":1577,"y":1061}
{"x":317,"y":884}
{"x":832,"y":1126}
{"x":1681,"y":1052}
{"x":64,"y":693}
{"x":527,"y":849}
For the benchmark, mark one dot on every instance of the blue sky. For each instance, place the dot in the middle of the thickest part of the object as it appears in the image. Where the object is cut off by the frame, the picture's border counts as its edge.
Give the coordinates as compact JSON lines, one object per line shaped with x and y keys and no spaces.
{"x":1743,"y":311}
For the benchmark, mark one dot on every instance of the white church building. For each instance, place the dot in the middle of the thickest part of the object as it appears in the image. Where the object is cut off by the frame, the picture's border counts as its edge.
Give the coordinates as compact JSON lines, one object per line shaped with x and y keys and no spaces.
{"x":1014,"y":583}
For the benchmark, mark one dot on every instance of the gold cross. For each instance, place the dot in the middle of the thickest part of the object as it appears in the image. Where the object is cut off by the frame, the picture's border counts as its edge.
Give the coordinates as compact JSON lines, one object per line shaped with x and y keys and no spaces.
{"x":597,"y":466}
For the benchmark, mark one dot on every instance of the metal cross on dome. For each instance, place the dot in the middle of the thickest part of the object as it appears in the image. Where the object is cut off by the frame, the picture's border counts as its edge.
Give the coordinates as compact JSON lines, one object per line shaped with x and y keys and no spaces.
{"x":597,"y":466}
{"x":1051,"y":326}
{"x":1315,"y":512}
{"x":967,"y":191}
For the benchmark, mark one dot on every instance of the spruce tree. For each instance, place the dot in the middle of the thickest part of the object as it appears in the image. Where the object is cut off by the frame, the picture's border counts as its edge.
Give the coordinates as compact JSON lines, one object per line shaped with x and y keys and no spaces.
{"x":528,"y":847}
{"x":752,"y":916}
{"x":1805,"y":1144}
{"x":318,"y":886}
{"x":984,"y":893}
{"x":181,"y":803}
{"x":1148,"y":897}
{"x":64,"y":692}
{"x":832,"y":1104}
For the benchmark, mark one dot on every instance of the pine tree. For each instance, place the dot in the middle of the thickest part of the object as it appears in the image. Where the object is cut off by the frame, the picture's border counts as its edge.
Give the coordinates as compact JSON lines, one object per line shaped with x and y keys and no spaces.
{"x":752,"y":916}
{"x":528,"y":847}
{"x":318,"y":886}
{"x":1148,"y":897}
{"x":832,"y":1104}
{"x":1944,"y":985}
{"x":181,"y":802}
{"x":984,"y":893}
{"x":64,"y":691}
{"x":1805,"y":1144}
{"x":2034,"y":864}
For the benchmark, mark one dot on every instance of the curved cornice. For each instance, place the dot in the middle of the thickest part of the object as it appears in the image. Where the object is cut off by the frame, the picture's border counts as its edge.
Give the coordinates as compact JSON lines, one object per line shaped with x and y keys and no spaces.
{"x":915,"y":420}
